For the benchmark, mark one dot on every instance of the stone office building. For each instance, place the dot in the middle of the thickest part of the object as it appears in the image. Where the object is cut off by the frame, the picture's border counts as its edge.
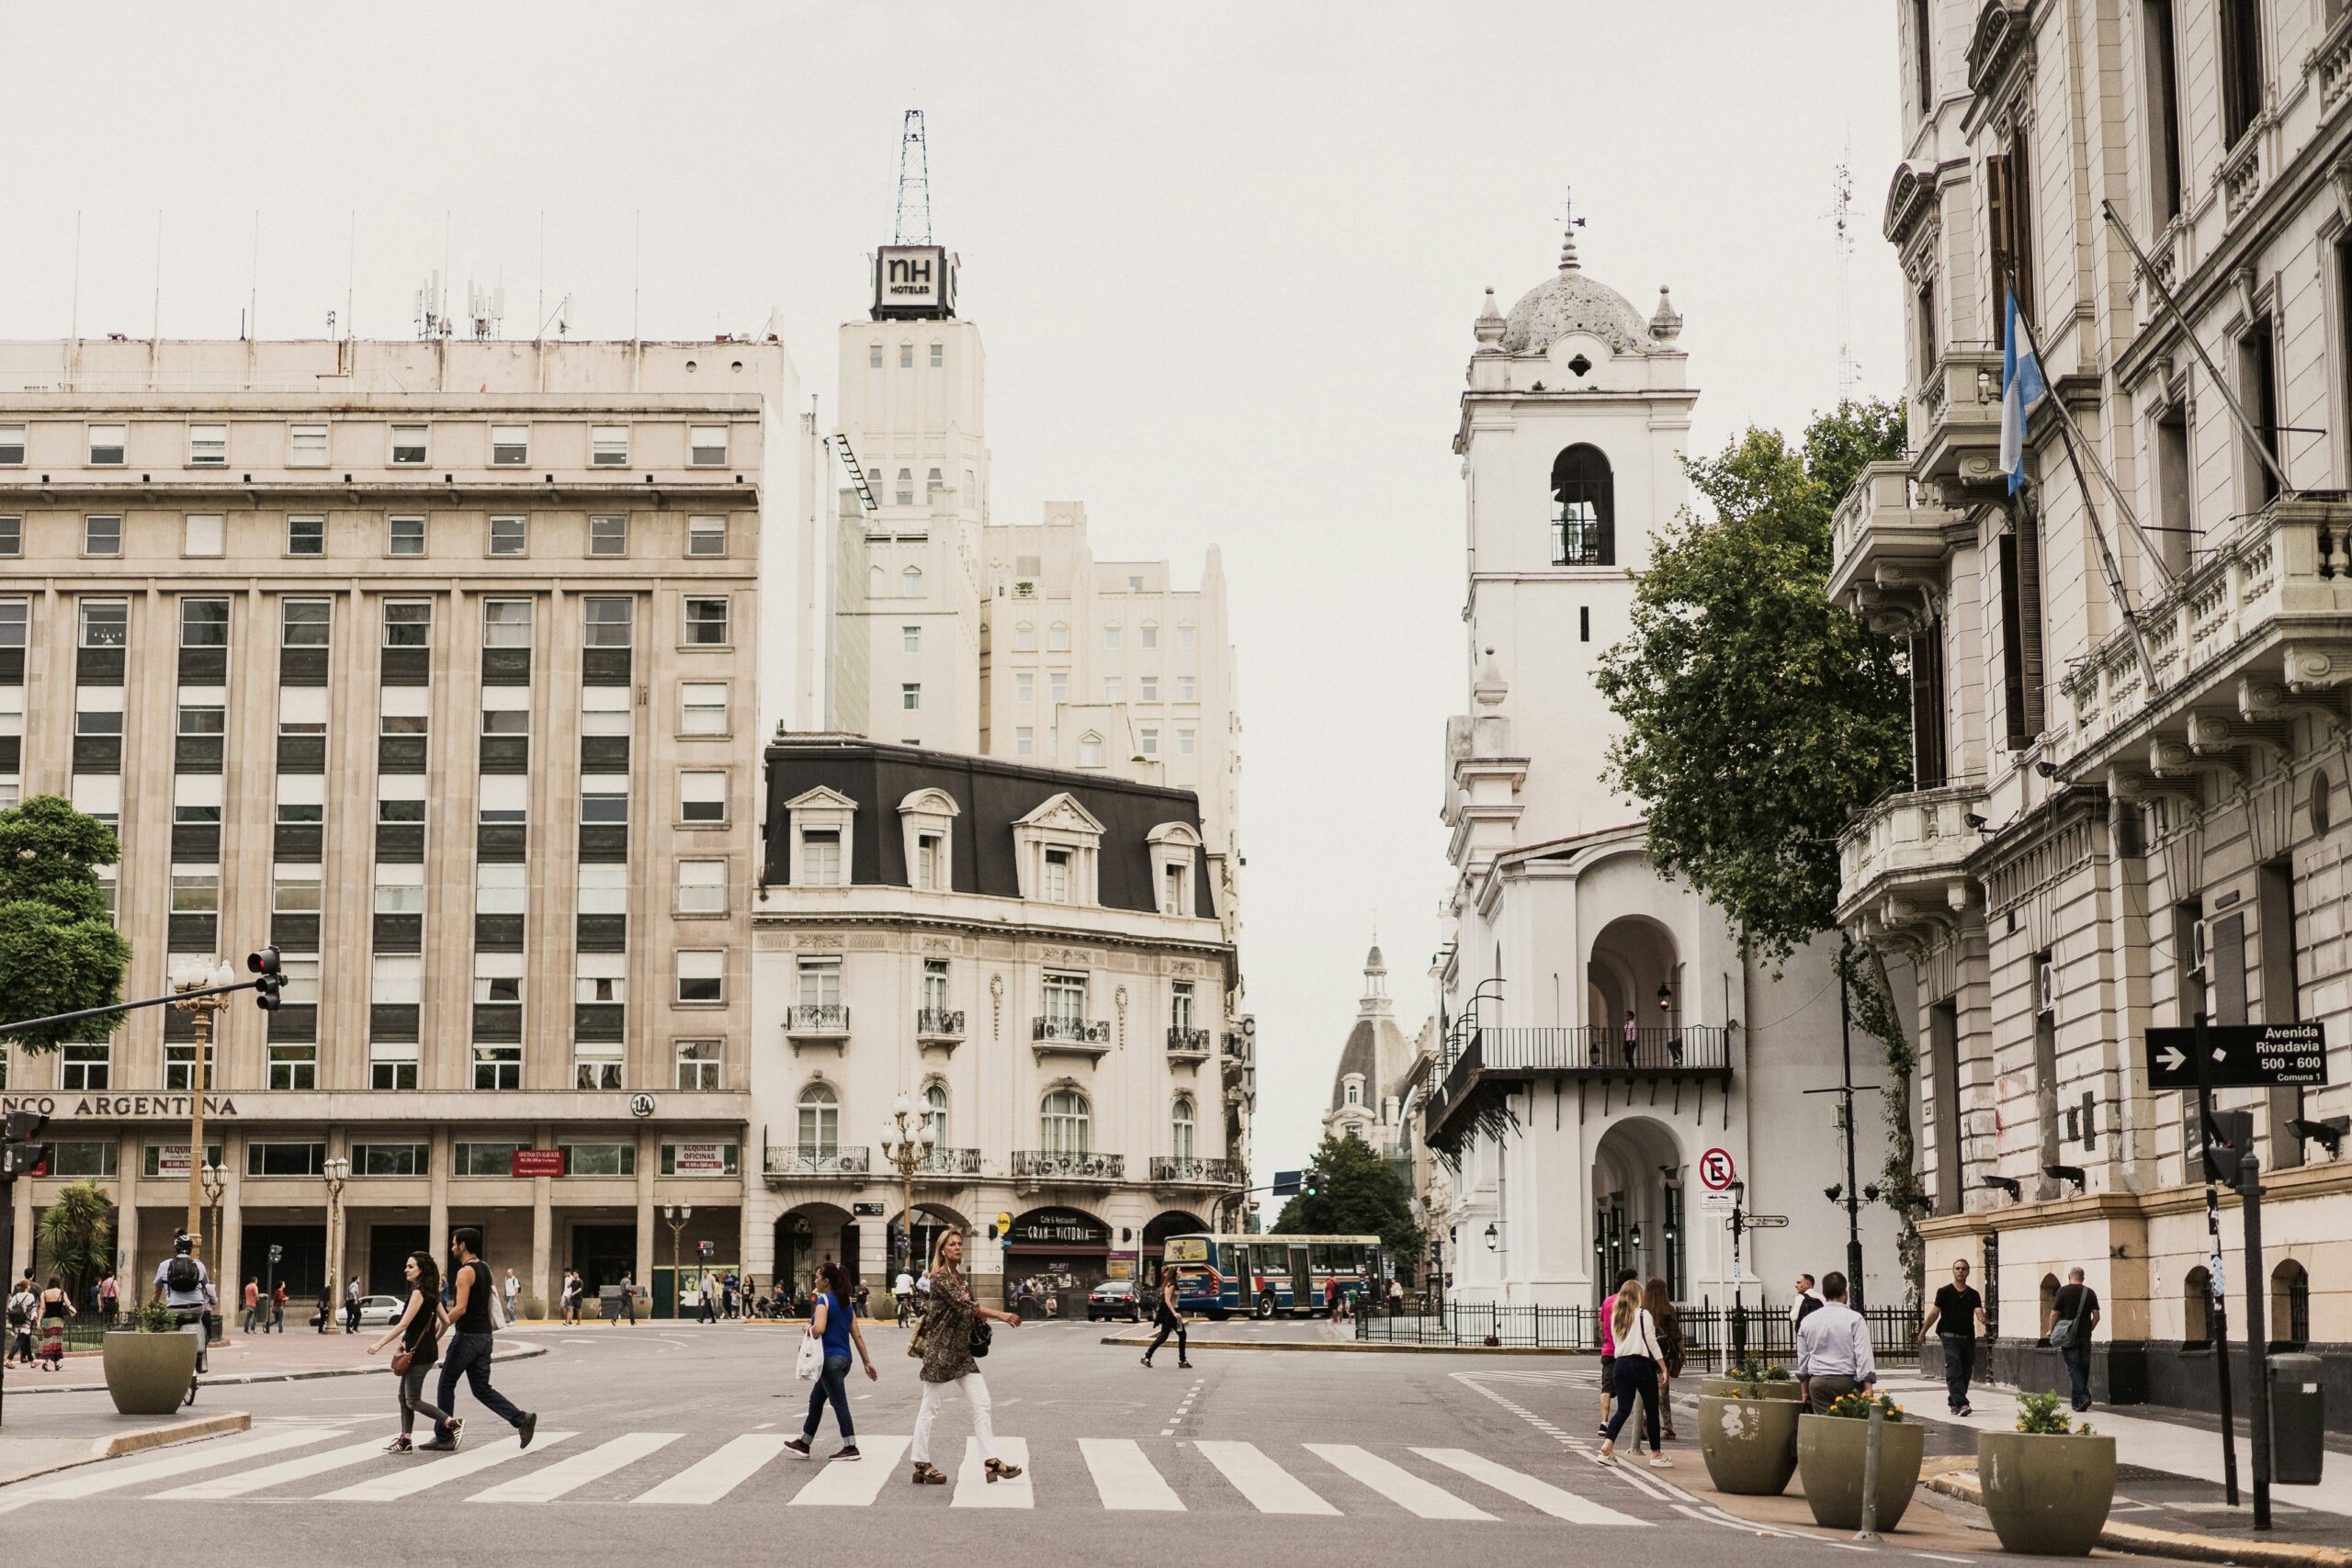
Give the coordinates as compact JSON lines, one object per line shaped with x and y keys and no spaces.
{"x":434,"y":663}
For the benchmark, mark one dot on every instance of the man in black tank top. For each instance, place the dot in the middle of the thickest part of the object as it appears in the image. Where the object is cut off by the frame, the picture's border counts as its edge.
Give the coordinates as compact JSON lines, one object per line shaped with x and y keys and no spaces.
{"x":470,"y":1324}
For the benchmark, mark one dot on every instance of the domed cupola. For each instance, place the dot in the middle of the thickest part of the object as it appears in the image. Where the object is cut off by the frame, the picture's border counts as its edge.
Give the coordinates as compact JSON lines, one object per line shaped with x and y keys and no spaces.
{"x":1571,"y":302}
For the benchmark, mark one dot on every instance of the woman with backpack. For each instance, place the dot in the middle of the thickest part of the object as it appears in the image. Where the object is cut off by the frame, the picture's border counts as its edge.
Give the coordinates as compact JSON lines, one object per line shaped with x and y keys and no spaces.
{"x":419,"y":1332}
{"x":20,"y":1323}
{"x":952,"y":1319}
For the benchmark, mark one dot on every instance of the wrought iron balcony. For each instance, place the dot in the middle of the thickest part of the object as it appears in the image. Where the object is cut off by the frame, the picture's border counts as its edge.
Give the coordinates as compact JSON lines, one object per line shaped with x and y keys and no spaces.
{"x":817,"y":1019}
{"x":1506,"y":1057}
{"x":1192,"y":1044}
{"x":939,"y":1023}
{"x":820,"y":1163}
{"x":950,"y":1162}
{"x":1051,"y":1165}
{"x":1070,"y":1030}
{"x":1183,"y":1170}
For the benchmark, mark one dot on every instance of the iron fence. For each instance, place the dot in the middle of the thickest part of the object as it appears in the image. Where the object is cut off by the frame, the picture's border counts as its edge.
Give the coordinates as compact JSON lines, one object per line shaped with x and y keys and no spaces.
{"x":1710,"y":1332}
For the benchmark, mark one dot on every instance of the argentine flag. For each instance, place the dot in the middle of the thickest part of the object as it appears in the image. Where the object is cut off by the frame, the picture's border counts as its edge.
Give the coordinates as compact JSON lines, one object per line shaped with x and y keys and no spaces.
{"x":2021,"y":387}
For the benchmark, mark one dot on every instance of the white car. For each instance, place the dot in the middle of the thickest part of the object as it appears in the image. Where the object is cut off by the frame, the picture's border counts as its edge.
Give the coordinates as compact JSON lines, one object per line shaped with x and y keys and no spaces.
{"x":380,"y":1312}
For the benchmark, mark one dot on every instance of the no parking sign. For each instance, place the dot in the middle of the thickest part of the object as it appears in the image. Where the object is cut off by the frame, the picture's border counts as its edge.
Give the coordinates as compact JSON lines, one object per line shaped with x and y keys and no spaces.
{"x":1716,"y":1170}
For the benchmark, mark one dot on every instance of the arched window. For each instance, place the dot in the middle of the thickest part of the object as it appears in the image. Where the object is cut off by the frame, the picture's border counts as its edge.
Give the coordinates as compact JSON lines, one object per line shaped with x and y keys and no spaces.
{"x":1355,"y":1091}
{"x":934,"y":1111}
{"x":1181,"y":1128}
{"x":906,"y":487}
{"x":1066,"y":1125}
{"x":1584,"y":507}
{"x":1090,"y":751}
{"x":2049,"y":1299}
{"x":1058,"y":637}
{"x":2291,"y":1306}
{"x":2195,"y":1310}
{"x":911,"y":582}
{"x":820,"y":1120}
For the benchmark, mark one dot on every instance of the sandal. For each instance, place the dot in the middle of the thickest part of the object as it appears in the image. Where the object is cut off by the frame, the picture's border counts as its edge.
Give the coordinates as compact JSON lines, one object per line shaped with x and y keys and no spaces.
{"x":1000,"y":1471}
{"x":928,"y":1475}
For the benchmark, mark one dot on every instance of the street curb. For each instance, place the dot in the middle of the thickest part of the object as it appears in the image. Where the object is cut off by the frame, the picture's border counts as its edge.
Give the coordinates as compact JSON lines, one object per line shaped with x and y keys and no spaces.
{"x":177,"y":1432}
{"x":2146,"y":1543}
{"x":1353,"y":1346}
{"x":233,"y":1380}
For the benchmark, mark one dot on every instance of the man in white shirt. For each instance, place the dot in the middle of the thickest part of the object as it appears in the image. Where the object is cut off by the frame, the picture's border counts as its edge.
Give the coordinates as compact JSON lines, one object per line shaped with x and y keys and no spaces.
{"x":1833,"y":1349}
{"x":904,"y":1287}
{"x":1806,"y":1303}
{"x":513,"y":1293}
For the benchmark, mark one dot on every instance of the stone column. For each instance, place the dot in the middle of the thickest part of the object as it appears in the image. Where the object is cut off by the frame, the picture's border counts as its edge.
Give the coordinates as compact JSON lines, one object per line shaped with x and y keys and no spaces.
{"x":228,"y":1269}
{"x":539,"y":1281}
{"x":437,"y":1235}
{"x":648,"y":1217}
{"x":22,"y":1253}
{"x":128,"y":1154}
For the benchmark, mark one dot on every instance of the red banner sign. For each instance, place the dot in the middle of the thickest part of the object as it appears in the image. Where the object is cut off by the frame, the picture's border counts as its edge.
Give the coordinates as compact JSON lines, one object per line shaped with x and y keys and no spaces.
{"x":538,"y":1162}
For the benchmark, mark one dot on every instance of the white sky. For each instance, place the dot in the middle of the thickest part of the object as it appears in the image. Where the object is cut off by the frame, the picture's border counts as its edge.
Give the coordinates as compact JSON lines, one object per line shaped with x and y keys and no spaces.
{"x":1226,"y":259}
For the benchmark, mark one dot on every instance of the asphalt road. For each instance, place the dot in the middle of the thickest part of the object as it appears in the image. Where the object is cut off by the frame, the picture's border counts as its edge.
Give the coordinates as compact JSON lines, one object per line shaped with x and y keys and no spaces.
{"x":660,"y":1439}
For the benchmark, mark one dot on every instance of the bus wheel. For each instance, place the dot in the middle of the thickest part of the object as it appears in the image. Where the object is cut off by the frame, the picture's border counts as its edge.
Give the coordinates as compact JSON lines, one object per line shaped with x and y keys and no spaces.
{"x":1266,"y":1305}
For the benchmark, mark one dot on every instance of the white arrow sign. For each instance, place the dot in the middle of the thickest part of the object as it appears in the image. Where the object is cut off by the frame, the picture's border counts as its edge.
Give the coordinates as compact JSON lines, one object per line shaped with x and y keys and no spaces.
{"x":2171,"y":1056}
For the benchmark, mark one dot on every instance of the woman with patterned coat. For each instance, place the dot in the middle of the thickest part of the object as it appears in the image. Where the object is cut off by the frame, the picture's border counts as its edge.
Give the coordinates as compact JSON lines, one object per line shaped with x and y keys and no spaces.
{"x":944,"y":1343}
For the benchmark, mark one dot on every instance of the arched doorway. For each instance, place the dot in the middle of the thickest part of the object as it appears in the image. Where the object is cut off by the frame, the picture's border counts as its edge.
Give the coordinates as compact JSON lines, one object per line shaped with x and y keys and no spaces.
{"x":931,"y":1222}
{"x":1057,"y":1255}
{"x":1174,"y":1222}
{"x":1634,"y":976}
{"x":808,"y":1236}
{"x":1638,"y":1219}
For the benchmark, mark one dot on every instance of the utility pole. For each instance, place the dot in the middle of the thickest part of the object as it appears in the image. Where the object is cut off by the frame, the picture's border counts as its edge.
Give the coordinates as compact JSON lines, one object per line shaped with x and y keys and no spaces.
{"x":1848,"y":1089}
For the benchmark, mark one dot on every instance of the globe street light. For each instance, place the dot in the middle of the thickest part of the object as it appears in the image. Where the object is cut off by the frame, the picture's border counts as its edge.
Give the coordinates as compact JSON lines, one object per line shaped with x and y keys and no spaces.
{"x":677,"y":1214}
{"x":907,"y":1140}
{"x":216,"y":1182}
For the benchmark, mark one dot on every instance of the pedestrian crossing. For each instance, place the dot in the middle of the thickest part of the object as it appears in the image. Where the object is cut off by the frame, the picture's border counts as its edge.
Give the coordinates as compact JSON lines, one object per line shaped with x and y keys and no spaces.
{"x":328,"y":1464}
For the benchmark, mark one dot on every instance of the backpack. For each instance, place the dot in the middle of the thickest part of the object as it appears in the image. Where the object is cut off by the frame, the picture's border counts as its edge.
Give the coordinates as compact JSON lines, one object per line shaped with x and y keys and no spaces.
{"x":17,"y":1309}
{"x":181,"y":1274}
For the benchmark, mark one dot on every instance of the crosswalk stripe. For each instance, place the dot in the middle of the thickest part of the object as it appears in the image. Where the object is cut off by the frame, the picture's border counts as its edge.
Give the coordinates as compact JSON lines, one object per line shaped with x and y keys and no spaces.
{"x":854,"y":1484}
{"x":97,"y":1478}
{"x":716,"y":1475}
{"x":300,"y":1468}
{"x":1400,"y":1486}
{"x":565,"y":1474}
{"x":415,"y":1478}
{"x":1124,"y":1478}
{"x":1535,"y":1493}
{"x":1270,"y":1488}
{"x":973,"y":1488}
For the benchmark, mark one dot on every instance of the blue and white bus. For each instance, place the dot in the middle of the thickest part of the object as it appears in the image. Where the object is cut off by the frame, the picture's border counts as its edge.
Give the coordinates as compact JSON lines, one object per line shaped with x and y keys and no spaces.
{"x":1261,"y":1274}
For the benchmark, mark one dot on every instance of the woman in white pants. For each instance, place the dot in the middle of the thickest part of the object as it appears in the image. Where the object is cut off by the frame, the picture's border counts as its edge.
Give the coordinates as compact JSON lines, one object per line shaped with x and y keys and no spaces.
{"x":944,"y":1343}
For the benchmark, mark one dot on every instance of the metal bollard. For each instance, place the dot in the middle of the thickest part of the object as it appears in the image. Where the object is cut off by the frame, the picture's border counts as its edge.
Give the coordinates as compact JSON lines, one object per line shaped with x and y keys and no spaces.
{"x":1870,"y":1474}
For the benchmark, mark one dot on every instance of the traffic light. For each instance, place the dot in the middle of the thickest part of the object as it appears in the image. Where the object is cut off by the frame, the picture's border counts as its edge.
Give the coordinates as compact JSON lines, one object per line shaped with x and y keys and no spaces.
{"x":19,"y":1153}
{"x":1310,"y":1184}
{"x":271,"y":977}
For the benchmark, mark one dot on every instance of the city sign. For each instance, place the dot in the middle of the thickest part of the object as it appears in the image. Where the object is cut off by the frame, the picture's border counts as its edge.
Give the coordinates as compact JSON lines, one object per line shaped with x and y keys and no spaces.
{"x":698,"y":1159}
{"x":1716,"y":1169}
{"x":914,"y":281}
{"x":2239,"y":1055}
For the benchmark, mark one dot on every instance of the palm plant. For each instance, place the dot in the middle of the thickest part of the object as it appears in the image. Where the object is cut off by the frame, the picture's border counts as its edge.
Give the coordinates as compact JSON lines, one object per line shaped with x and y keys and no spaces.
{"x":77,"y":1237}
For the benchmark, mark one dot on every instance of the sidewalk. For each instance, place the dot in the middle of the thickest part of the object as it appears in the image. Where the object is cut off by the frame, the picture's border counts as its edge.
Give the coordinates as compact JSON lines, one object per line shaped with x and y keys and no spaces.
{"x":60,"y":1438}
{"x":263,"y":1358}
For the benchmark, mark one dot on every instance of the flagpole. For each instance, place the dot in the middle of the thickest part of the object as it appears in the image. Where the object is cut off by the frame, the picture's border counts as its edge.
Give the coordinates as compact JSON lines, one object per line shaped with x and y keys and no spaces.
{"x":2221,"y":382}
{"x":2066,"y":433}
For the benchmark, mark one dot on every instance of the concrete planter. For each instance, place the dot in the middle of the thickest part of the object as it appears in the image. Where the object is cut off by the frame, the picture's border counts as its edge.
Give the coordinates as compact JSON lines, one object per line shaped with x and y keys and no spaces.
{"x":1725,"y":1388}
{"x":1830,"y":1451}
{"x":2048,"y":1495}
{"x":148,"y":1374}
{"x":1750,"y":1445}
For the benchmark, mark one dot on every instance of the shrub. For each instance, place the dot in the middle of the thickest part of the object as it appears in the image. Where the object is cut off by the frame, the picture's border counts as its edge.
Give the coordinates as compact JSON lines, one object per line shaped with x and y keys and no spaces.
{"x":1858,"y":1405}
{"x":2039,"y":1415}
{"x":1755,"y":1371}
{"x":154,"y":1318}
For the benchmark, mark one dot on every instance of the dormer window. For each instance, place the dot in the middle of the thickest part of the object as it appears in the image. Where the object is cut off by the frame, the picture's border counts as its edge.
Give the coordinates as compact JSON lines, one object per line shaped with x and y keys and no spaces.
{"x":1054,"y":886}
{"x":1059,"y":850}
{"x":820,"y":857}
{"x":927,"y":818}
{"x":1175,"y":849}
{"x":1090,"y":751}
{"x":1355,"y":1091}
{"x":819,"y":840}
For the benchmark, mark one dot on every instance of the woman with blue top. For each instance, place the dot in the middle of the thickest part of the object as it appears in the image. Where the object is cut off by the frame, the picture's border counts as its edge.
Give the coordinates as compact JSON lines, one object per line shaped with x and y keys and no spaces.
{"x":834,"y":1321}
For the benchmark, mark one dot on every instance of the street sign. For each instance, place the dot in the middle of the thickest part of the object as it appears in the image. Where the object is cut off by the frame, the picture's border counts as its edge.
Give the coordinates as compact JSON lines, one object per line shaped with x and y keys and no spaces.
{"x":1716,"y":1170}
{"x":1717,"y":1200}
{"x":1286,"y":1183}
{"x":1765,"y":1222}
{"x":2240,"y":1055}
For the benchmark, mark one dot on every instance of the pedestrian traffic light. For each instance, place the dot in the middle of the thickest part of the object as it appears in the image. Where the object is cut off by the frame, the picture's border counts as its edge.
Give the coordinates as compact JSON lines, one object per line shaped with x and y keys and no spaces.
{"x":270,"y":977}
{"x":19,"y":1153}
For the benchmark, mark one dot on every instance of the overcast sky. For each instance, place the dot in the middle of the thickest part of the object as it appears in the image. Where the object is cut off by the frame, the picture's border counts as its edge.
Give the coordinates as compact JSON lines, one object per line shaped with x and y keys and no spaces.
{"x":1225,"y":259}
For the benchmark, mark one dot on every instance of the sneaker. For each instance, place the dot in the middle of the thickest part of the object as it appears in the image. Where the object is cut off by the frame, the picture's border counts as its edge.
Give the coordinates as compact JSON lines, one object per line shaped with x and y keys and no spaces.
{"x":1964,"y":1410}
{"x":438,"y":1446}
{"x":401,"y":1445}
{"x":798,"y":1448}
{"x":847,"y":1451}
{"x":1660,"y":1461}
{"x":1605,"y":1456}
{"x":528,"y":1427}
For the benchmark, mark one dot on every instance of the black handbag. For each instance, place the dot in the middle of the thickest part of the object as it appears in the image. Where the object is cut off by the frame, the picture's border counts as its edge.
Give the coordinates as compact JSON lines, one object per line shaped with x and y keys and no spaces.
{"x":983,"y":1335}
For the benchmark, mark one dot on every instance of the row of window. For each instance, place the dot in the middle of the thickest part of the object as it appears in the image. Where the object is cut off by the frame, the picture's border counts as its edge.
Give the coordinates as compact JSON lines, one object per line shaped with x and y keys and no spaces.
{"x":906,"y":357}
{"x":102,"y":1157}
{"x":306,"y":445}
{"x":293,"y":1066}
{"x":706,"y":622}
{"x":1065,"y":1122}
{"x":203,"y":536}
{"x":397,"y":979}
{"x":1064,"y":993}
{"x":503,"y":799}
{"x":1090,"y":745}
{"x":1024,"y":637}
{"x":1114,"y":687}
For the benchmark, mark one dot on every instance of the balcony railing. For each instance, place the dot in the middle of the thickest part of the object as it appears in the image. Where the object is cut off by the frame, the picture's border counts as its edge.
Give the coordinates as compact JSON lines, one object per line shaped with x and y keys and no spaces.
{"x":817,"y":1019}
{"x":1901,"y":860}
{"x":806,"y":1163}
{"x":1193,"y":1043}
{"x":1883,"y":531}
{"x":1051,"y":1165}
{"x":1175,"y":1170}
{"x":939,"y":1023}
{"x":1956,"y":416}
{"x":950,"y":1162}
{"x":1069,"y":1031}
{"x":1696,"y":1051}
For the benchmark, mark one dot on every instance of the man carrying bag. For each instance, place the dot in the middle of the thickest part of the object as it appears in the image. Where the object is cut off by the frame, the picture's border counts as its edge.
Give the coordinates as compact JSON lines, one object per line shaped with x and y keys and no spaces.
{"x":2074,"y":1314}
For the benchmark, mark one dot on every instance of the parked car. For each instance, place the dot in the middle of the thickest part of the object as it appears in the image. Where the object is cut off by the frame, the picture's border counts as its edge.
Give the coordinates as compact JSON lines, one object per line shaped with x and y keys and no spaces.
{"x":1114,"y":1298}
{"x":380,"y":1312}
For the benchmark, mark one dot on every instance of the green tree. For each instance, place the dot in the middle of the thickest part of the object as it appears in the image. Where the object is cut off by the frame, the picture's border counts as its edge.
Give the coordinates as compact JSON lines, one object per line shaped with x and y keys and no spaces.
{"x":59,"y":948}
{"x":77,"y":1237}
{"x":1761,"y":716}
{"x":1357,"y":1194}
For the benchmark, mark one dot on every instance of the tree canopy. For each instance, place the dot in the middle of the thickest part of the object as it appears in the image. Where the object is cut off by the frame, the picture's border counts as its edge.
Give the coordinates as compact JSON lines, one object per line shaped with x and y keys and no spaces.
{"x":1760,"y":717}
{"x":59,"y":949}
{"x":1358,"y":1194}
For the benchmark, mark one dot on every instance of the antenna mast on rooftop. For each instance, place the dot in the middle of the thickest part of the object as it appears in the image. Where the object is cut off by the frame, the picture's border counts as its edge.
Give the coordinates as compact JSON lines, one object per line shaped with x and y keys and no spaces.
{"x":914,"y":185}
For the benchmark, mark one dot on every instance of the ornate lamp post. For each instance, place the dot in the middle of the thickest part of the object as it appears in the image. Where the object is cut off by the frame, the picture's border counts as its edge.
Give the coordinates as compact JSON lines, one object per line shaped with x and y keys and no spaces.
{"x":677,"y":1214}
{"x":216,"y":1182}
{"x":907,"y":1140}
{"x":337,"y":1170}
{"x":196,"y":975}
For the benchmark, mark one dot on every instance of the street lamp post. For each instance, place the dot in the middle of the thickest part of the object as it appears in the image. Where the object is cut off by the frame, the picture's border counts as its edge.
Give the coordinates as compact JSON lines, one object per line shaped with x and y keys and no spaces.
{"x":337,"y":1170}
{"x":202,"y":974}
{"x":907,"y":1140}
{"x":216,"y":1183}
{"x":677,"y":1214}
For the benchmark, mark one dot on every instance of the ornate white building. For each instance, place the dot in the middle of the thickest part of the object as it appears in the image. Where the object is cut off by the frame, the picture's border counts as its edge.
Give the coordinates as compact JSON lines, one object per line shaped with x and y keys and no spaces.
{"x":1604,"y":1039}
{"x":1368,"y":1085}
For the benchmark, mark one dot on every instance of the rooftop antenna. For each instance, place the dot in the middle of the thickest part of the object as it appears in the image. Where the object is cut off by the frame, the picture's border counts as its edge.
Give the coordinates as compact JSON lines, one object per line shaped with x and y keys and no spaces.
{"x":486,"y":308}
{"x":432,"y":309}
{"x":914,"y":185}
{"x":1842,"y":216}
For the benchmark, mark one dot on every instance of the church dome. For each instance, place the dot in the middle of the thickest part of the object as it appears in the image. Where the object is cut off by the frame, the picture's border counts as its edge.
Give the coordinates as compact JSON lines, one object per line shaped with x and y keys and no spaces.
{"x":1570,"y":301}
